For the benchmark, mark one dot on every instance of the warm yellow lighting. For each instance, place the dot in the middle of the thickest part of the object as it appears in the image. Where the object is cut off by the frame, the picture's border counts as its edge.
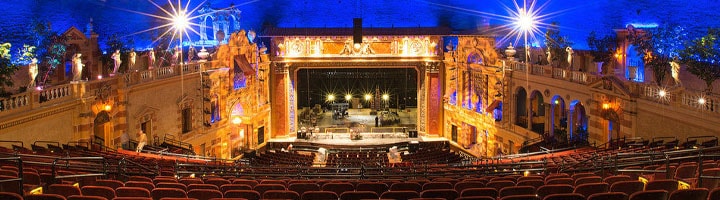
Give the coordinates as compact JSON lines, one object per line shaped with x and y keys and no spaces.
{"x":385,"y":97}
{"x":356,"y":45}
{"x":526,"y":173}
{"x":606,"y":106}
{"x":108,"y":107}
{"x":236,"y":120}
{"x":682,"y":185}
{"x":557,"y":102}
{"x":99,"y":77}
{"x":348,"y":97}
{"x":662,"y":93}
{"x":224,"y":144}
{"x":701,"y":101}
{"x":331,"y":97}
{"x":368,"y":97}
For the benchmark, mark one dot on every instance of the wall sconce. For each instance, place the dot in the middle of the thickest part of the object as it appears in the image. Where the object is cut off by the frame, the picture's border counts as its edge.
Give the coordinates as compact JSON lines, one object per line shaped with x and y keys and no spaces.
{"x":107,"y":107}
{"x":605,"y":106}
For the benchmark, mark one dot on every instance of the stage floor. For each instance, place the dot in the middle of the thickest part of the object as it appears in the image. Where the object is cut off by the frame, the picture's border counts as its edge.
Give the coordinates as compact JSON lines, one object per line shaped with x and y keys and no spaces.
{"x":344,"y":140}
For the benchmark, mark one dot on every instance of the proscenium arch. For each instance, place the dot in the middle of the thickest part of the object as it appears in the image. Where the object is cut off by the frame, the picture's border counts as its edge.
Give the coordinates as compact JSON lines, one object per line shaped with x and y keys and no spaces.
{"x":521,"y":107}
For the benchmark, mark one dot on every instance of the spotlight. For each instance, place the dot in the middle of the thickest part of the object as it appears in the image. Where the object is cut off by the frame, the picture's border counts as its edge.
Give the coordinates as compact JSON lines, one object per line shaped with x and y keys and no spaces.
{"x":348,"y":97}
{"x":368,"y":97}
{"x":331,"y":97}
{"x":701,"y":101}
{"x":662,"y":93}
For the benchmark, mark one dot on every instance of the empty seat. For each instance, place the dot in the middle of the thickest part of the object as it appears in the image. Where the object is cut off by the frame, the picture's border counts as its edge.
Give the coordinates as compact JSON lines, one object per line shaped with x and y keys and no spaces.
{"x":318,"y":195}
{"x":140,"y":178}
{"x":281,"y":182}
{"x":82,"y":197}
{"x":10,"y":196}
{"x":114,"y":184}
{"x":406,"y":186}
{"x":64,"y":190}
{"x":608,"y":196}
{"x":44,"y":197}
{"x":338,"y":188}
{"x":565,"y":196}
{"x":281,"y":194}
{"x":232,"y":186}
{"x":577,"y":176}
{"x":568,"y":181}
{"x":500,"y":184}
{"x":685,"y":171}
{"x":188,"y":181}
{"x":159,"y":193}
{"x":460,"y":186}
{"x":650,"y":195}
{"x":147,"y":185}
{"x":521,"y":197}
{"x":171,"y":185}
{"x":251,"y":183}
{"x":358,"y":195}
{"x":376,"y":187}
{"x":136,"y":198}
{"x":616,"y":178}
{"x":100,"y":191}
{"x":714,"y":194}
{"x":690,"y":194}
{"x":627,"y":187}
{"x":591,"y":188}
{"x":164,"y":180}
{"x":132,"y":192}
{"x":554,"y":189}
{"x":449,"y":194}
{"x":517,"y":190}
{"x":202,"y":186}
{"x":437,"y":185}
{"x":261,"y":188}
{"x":588,"y":179}
{"x":399,"y":195}
{"x":709,"y":183}
{"x":536,"y":183}
{"x":204,"y":194}
{"x":475,"y":192}
{"x":301,"y":188}
{"x":475,"y":198}
{"x":247,"y":194}
{"x":217,"y":181}
{"x":666,"y":184}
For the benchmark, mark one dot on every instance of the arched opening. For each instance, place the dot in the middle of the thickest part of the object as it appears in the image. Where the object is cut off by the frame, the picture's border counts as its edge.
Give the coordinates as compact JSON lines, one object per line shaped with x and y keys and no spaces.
{"x":208,"y":32}
{"x":475,"y":58}
{"x":101,"y":128}
{"x":497,"y":112}
{"x":521,"y":107}
{"x":578,"y":122}
{"x":537,"y":112}
{"x":559,"y":119}
{"x":635,"y":65}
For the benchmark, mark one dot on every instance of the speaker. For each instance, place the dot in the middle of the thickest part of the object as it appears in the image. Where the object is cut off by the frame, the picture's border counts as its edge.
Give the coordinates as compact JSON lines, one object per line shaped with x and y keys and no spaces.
{"x":412,"y":134}
{"x":357,"y":30}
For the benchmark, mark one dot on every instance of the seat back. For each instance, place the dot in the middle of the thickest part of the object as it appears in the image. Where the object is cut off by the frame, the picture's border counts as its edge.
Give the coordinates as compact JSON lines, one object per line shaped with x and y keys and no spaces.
{"x":114,"y":184}
{"x":588,"y":179}
{"x":568,"y":181}
{"x":690,"y":194}
{"x":437,"y":185}
{"x":247,"y":194}
{"x":217,"y":181}
{"x":482,"y":192}
{"x":554,"y":189}
{"x":301,"y":188}
{"x":616,"y":178}
{"x":399,"y":195}
{"x":261,"y":188}
{"x":232,"y":186}
{"x":140,"y":178}
{"x":281,"y":194}
{"x":358,"y":195}
{"x":251,"y":183}
{"x":460,"y":186}
{"x":609,"y":196}
{"x":100,"y":191}
{"x":521,"y":197}
{"x":536,"y":183}
{"x":565,"y":196}
{"x":64,"y":190}
{"x":591,"y":188}
{"x":449,"y":194}
{"x":376,"y":187}
{"x":686,"y":171}
{"x":188,"y":181}
{"x":650,"y":195}
{"x":627,"y":187}
{"x":159,"y":193}
{"x":338,"y":188}
{"x":202,"y":186}
{"x":499,"y":184}
{"x":171,"y":185}
{"x":10,"y":196}
{"x":147,"y":185}
{"x":406,"y":186}
{"x":132,"y":192}
{"x":319,"y":195}
{"x":666,"y":184}
{"x":517,"y":190}
{"x":83,"y":197}
{"x":44,"y":197}
{"x":204,"y":194}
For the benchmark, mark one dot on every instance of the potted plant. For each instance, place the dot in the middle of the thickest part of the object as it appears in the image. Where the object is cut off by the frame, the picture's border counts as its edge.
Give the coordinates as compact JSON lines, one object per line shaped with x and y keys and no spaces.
{"x":602,"y":48}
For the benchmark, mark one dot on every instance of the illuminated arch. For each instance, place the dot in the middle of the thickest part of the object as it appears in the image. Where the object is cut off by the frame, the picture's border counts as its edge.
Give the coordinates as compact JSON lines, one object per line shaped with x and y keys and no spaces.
{"x":578,"y":121}
{"x":558,"y":118}
{"x":537,"y":112}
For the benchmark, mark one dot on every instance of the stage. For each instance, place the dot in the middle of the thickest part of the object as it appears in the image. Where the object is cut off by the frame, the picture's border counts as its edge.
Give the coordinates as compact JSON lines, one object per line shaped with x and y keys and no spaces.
{"x":368,"y":139}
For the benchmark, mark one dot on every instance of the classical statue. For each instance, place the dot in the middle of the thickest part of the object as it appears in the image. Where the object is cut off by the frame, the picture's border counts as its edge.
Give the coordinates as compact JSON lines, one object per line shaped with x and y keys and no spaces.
{"x":33,"y":72}
{"x":175,"y":58}
{"x":569,"y":51}
{"x":132,"y":56}
{"x":675,"y":71}
{"x":116,"y":60}
{"x":151,"y":59}
{"x":347,"y":48}
{"x":77,"y":67}
{"x":549,"y":56}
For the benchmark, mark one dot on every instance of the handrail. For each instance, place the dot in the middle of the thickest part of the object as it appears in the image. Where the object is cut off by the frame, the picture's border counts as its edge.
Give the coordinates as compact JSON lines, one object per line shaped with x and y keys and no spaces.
{"x":88,"y":146}
{"x":715,"y":139}
{"x":700,"y":175}
{"x":67,"y":165}
{"x":13,"y":141}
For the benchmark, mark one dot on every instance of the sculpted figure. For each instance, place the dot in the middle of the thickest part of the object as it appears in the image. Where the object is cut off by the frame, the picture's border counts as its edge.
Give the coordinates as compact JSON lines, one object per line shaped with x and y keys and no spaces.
{"x":77,"y":67}
{"x":116,"y":60}
{"x":151,"y":59}
{"x":675,"y":71}
{"x":132,"y":57}
{"x":569,"y":51}
{"x":33,"y":72}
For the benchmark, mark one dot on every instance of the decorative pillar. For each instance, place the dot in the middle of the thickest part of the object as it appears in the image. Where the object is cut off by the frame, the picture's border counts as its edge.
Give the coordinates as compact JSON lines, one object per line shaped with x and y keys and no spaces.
{"x":280,"y":82}
{"x":570,"y":121}
{"x":548,"y":119}
{"x":434,"y":98}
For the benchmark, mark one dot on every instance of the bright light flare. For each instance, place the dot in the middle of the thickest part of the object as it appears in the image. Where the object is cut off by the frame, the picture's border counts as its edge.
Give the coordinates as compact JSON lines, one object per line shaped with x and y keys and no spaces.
{"x":702,"y":101}
{"x":180,"y":21}
{"x":331,"y":97}
{"x":385,"y":97}
{"x":368,"y":97}
{"x":525,"y":20}
{"x":662,"y":93}
{"x":348,"y":97}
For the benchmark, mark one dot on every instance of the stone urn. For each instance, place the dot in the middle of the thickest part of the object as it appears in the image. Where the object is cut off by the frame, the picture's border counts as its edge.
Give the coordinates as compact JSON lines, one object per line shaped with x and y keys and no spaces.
{"x":203,"y":54}
{"x":510,"y":52}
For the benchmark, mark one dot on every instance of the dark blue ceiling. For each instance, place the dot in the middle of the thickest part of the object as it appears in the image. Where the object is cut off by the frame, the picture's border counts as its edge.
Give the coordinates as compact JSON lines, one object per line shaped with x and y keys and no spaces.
{"x":576,"y":18}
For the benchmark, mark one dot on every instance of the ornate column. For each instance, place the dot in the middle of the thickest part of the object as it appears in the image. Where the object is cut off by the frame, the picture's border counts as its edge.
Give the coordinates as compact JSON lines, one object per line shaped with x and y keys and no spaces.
{"x":279,"y":95}
{"x":433,"y":101}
